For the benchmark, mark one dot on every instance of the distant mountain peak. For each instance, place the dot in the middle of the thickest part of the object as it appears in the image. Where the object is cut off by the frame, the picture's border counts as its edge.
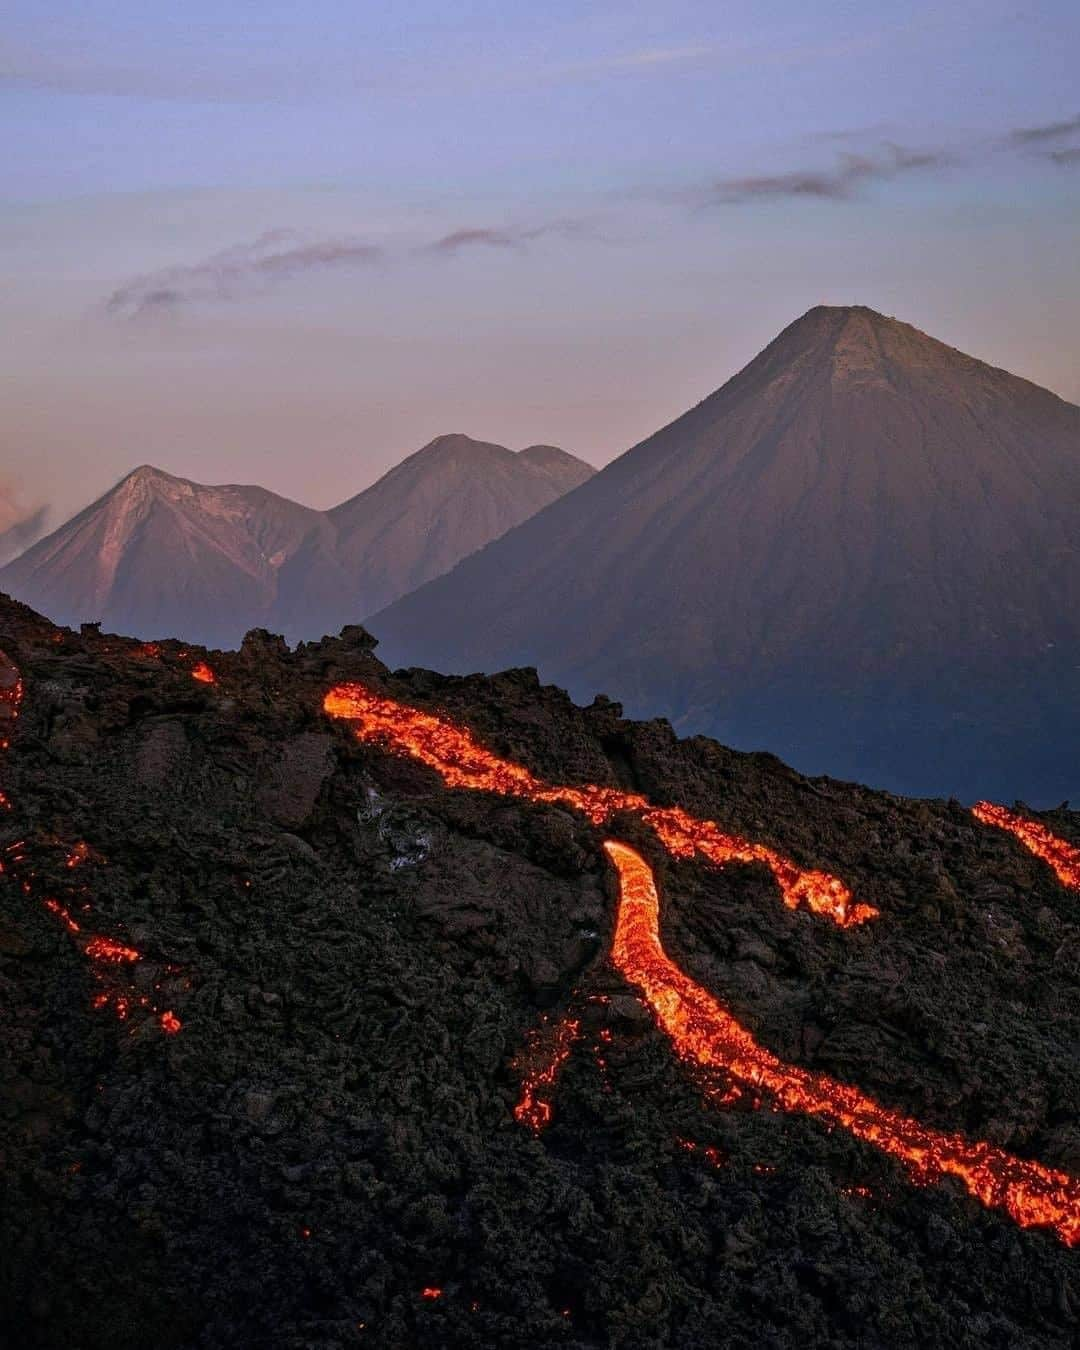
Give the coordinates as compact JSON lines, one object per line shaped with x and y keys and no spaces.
{"x":548,"y":457}
{"x":158,"y":553}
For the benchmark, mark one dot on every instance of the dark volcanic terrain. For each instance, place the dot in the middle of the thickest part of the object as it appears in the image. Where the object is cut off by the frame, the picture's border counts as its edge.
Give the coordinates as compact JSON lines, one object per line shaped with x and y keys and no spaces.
{"x":319,"y":1149}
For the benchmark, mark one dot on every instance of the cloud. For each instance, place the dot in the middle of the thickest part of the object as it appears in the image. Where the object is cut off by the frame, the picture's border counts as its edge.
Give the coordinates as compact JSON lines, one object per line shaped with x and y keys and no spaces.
{"x":839,"y":183}
{"x":235,"y":273}
{"x":19,"y":527}
{"x":1066,"y":158}
{"x":507,"y":236}
{"x":1049,"y":131}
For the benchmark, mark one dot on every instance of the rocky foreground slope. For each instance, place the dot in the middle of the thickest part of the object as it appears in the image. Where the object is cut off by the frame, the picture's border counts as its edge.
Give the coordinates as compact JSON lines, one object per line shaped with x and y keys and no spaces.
{"x":270,"y":995}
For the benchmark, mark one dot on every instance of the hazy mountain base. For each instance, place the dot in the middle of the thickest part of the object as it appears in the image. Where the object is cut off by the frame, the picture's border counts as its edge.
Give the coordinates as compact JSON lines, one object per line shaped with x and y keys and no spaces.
{"x":331,"y":1131}
{"x":906,"y":734}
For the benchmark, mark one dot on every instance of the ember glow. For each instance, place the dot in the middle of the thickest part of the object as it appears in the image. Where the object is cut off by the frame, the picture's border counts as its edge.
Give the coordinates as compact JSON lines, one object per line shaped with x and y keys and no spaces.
{"x":105,"y":949}
{"x":547,"y":1050}
{"x":1063,"y":858}
{"x":459,"y":759}
{"x":705,"y":1034}
{"x":203,"y":673}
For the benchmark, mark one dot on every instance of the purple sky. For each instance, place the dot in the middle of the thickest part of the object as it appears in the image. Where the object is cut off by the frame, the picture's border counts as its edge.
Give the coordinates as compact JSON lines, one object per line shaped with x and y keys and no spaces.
{"x":289,"y":244}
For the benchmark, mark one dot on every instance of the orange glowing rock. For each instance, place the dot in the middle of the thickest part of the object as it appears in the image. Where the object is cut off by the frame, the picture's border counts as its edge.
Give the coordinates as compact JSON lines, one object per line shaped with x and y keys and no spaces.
{"x":547,"y":1051}
{"x":431,"y":1292}
{"x":55,"y":907}
{"x":1063,"y":858}
{"x":203,"y":673}
{"x":105,"y":949}
{"x":704,"y":1033}
{"x":79,"y":854}
{"x":460,"y":760}
{"x":170,"y":1023}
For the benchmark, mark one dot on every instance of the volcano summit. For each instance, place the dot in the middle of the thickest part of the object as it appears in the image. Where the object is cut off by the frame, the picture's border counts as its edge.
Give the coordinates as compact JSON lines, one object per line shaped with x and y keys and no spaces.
{"x":863,"y":553}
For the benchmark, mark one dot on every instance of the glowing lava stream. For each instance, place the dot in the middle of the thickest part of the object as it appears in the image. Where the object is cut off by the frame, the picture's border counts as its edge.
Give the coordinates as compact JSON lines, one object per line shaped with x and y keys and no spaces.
{"x":1063,"y":858}
{"x":704,"y":1033}
{"x":462,"y":762}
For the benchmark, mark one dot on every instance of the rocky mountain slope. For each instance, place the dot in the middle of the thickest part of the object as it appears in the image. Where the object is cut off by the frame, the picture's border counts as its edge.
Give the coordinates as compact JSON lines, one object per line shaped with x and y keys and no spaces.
{"x":161,"y":555}
{"x":861,"y":553}
{"x":272,"y":992}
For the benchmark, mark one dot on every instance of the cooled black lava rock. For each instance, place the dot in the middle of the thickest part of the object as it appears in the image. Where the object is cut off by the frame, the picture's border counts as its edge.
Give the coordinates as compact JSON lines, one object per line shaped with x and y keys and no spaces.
{"x":326,"y":1155}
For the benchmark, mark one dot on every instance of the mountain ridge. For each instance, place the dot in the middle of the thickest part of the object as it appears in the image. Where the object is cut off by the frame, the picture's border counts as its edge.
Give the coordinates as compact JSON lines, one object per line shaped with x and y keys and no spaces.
{"x":161,"y":553}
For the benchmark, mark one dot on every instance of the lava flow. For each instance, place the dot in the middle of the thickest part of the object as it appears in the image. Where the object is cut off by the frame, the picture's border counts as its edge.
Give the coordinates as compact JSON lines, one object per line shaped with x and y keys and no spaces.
{"x":105,"y":954}
{"x":1063,"y":858}
{"x":704,"y":1033}
{"x":460,"y":760}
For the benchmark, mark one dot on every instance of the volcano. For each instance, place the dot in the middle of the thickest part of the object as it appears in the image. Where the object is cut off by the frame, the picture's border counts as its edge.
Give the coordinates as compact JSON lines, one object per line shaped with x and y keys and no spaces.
{"x":162,"y":555}
{"x":862,"y":553}
{"x":442,"y":503}
{"x":159,"y":555}
{"x":347,"y":1006}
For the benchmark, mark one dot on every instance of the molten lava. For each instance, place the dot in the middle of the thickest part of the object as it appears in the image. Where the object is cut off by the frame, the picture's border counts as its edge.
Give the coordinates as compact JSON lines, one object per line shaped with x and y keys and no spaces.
{"x":1063,"y":858}
{"x":461,"y":762}
{"x":547,"y":1051}
{"x":203,"y":673}
{"x":105,"y":949}
{"x":705,"y":1034}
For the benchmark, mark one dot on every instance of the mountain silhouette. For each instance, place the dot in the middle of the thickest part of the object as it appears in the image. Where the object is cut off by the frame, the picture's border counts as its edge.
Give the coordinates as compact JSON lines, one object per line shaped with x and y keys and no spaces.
{"x":860,"y":553}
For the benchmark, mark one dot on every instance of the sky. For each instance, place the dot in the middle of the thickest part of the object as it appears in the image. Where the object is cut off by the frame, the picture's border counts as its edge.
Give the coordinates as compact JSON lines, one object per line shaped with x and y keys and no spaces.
{"x":289,"y":244}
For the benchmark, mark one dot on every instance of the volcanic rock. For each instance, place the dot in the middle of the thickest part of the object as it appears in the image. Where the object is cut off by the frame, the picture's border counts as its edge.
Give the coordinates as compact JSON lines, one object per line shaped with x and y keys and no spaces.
{"x":325,"y":1151}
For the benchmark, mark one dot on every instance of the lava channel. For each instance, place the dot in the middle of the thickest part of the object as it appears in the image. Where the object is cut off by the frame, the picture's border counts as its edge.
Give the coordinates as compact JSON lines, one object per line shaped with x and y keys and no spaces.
{"x":462,"y":762}
{"x":705,"y":1034}
{"x":1063,"y":858}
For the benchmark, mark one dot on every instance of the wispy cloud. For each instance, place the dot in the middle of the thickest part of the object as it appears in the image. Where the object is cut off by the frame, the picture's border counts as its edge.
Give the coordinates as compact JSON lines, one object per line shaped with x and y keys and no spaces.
{"x":248,"y":270}
{"x":840,"y":182}
{"x":236,"y":273}
{"x":1049,"y":131}
{"x":508,"y":236}
{"x":1066,"y":158}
